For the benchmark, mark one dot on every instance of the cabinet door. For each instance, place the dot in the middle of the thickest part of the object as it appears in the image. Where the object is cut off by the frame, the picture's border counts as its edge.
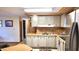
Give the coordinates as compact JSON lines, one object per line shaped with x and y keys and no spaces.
{"x":34,"y":22}
{"x":42,"y":41}
{"x":63,"y":21}
{"x":35,"y":41}
{"x":42,"y":20}
{"x":29,"y":41}
{"x":56,"y":21}
{"x":67,"y":43}
{"x":49,"y":20}
{"x":51,"y":42}
{"x":45,"y":20}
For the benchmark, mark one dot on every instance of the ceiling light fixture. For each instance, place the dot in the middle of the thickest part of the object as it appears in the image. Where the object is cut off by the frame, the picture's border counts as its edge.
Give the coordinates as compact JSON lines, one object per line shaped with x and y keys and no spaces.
{"x":55,"y":9}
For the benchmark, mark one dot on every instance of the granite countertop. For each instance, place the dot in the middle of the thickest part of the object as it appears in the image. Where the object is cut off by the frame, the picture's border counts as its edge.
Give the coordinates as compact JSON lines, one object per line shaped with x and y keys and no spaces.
{"x":64,"y":35}
{"x":47,"y":35}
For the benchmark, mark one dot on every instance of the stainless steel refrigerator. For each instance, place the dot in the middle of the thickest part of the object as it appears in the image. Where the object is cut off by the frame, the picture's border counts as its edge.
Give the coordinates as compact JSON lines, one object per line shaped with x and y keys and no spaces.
{"x":74,"y":35}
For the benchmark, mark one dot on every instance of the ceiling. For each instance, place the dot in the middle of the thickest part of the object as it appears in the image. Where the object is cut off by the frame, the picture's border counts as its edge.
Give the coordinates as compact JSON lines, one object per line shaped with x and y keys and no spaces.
{"x":20,"y":11}
{"x":63,"y":10}
{"x":12,"y":11}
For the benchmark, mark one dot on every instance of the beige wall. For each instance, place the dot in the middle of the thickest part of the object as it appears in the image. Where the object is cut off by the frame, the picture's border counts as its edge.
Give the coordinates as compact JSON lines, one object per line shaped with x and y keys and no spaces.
{"x":10,"y":34}
{"x":52,"y":30}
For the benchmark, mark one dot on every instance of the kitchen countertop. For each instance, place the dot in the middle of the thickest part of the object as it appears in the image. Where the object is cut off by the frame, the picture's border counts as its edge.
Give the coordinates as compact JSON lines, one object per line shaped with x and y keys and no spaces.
{"x":47,"y":35}
{"x":64,"y":35}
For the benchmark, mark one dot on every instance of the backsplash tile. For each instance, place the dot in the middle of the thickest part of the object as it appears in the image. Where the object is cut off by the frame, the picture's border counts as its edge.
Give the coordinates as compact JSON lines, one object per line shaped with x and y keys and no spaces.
{"x":53,"y":30}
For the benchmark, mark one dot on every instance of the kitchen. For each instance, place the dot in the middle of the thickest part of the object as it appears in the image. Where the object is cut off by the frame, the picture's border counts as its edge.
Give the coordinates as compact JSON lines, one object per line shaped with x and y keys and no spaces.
{"x":45,"y":29}
{"x":38,"y":29}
